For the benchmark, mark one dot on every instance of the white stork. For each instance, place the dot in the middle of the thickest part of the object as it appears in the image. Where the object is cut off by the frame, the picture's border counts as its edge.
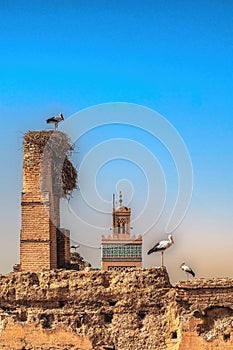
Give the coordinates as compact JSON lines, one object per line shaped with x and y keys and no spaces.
{"x":75,"y":246}
{"x":187,"y":269}
{"x":161,"y":247}
{"x":55,"y":120}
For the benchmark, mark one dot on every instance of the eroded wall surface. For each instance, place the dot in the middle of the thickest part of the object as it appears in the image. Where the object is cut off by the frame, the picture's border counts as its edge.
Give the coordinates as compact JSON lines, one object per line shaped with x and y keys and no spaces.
{"x":135,"y":309}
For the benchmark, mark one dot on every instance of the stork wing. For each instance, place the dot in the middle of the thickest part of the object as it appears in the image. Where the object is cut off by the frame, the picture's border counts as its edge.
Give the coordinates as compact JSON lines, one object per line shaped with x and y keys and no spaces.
{"x":152,"y":250}
{"x":50,"y":120}
{"x":190,"y":271}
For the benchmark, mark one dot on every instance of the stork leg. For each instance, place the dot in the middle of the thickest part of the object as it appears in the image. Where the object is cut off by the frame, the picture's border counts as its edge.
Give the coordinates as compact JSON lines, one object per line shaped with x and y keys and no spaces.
{"x":162,"y":258}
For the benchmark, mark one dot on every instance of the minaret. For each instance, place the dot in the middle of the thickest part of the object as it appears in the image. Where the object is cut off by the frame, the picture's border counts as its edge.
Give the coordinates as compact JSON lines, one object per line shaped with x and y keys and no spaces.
{"x":120,"y":250}
{"x":121,"y":219}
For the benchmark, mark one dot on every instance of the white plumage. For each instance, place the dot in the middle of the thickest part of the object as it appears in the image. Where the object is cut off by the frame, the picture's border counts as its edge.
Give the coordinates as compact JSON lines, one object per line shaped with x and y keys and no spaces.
{"x":75,"y":246}
{"x":55,"y":120}
{"x":162,"y":246}
{"x":187,"y":269}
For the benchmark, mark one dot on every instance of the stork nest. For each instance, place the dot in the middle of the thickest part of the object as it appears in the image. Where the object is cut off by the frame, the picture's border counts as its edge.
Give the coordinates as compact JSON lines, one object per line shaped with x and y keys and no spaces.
{"x":51,"y":150}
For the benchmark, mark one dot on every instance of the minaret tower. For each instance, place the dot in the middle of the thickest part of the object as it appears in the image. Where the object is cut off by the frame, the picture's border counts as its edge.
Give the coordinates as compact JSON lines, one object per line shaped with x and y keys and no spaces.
{"x":121,"y":220}
{"x":120,"y":250}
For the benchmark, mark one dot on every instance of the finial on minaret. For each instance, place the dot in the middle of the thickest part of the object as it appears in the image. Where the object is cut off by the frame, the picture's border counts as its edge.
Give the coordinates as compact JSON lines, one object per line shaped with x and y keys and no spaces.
{"x":120,"y":198}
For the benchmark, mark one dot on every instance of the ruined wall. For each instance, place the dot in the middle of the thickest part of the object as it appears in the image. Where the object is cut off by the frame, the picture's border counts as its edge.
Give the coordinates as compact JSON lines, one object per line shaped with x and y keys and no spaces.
{"x":135,"y":309}
{"x":206,"y":314}
{"x":47,"y":176}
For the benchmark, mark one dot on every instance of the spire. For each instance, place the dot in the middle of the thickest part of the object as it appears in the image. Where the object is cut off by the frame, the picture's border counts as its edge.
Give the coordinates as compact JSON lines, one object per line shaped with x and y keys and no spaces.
{"x":120,"y":198}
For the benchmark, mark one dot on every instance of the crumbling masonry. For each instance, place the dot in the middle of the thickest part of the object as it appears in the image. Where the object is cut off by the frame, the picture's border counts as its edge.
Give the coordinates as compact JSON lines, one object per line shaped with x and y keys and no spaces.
{"x":48,"y":175}
{"x":136,"y":309}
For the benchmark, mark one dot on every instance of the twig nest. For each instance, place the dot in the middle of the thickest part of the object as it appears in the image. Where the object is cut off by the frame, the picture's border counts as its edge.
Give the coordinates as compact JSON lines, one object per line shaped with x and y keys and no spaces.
{"x":51,"y":150}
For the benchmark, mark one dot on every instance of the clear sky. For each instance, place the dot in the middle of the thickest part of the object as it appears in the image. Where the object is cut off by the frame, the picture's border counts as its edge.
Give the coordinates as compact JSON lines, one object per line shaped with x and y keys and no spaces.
{"x":174,"y":57}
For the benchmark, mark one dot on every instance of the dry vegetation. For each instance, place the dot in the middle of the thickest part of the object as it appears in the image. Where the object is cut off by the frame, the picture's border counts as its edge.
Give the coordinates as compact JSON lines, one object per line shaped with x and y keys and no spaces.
{"x":55,"y":149}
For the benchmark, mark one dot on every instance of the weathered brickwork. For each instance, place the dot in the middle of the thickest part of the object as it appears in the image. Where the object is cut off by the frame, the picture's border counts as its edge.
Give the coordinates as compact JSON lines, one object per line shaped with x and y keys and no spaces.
{"x":40,"y":209}
{"x":63,"y":248}
{"x":132,"y":310}
{"x":202,"y":293}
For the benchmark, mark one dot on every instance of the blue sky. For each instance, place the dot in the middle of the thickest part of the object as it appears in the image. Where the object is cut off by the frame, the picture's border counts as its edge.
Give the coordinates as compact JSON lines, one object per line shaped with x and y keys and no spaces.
{"x":174,"y":57}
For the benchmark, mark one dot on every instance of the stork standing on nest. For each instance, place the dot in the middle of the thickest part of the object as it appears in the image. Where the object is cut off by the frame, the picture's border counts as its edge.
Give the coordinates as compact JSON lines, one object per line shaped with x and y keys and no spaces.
{"x":161,"y":247}
{"x":55,"y":120}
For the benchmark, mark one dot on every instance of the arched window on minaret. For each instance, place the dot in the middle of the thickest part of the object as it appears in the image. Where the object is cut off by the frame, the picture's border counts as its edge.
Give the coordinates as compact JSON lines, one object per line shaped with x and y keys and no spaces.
{"x":123,"y":227}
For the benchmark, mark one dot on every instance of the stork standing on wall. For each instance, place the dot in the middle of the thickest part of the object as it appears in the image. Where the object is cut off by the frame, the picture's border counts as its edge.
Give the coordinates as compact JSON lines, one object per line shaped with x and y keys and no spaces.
{"x":161,"y":247}
{"x":75,"y":247}
{"x":55,"y":120}
{"x":187,"y":269}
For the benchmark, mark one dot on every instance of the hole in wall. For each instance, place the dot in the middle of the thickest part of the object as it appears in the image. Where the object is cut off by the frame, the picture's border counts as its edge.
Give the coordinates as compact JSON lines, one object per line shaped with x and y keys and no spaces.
{"x":174,"y":335}
{"x":46,"y":321}
{"x":62,"y":303}
{"x":112,"y":302}
{"x":141,"y":315}
{"x":105,"y":282}
{"x":23,"y":316}
{"x":5,"y":308}
{"x":226,"y":337}
{"x":33,"y":279}
{"x":108,"y":318}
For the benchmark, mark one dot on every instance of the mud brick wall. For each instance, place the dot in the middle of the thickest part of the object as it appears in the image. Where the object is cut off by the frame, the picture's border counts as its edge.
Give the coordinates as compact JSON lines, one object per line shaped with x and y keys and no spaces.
{"x":96,"y":310}
{"x":202,"y":293}
{"x":206,"y":307}
{"x":84,"y":310}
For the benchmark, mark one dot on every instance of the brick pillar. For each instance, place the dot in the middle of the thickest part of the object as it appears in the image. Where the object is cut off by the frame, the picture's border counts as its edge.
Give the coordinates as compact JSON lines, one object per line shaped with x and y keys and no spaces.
{"x":39,"y":210}
{"x":47,"y":176}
